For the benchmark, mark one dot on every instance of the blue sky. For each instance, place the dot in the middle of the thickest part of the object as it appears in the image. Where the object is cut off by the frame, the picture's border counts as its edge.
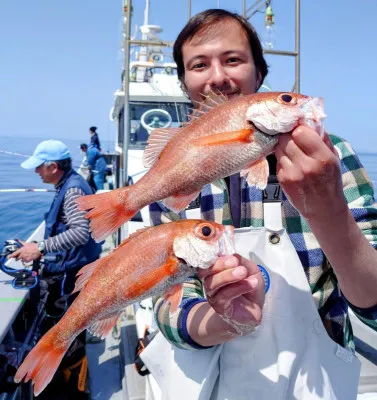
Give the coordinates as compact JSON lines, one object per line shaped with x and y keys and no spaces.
{"x":60,"y":62}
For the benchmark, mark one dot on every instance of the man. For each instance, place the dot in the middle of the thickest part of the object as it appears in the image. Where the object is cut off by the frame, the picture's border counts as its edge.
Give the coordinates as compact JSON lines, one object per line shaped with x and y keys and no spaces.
{"x":66,"y":235}
{"x":94,"y":139}
{"x":96,"y":164}
{"x":329,"y":218}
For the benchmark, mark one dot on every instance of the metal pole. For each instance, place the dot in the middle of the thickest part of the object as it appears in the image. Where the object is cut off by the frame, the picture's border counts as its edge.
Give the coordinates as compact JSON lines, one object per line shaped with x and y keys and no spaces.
{"x":280,"y":52}
{"x":244,"y":8}
{"x":297,"y":48}
{"x":126,"y":78}
{"x":146,"y":13}
{"x":189,"y":9}
{"x":253,"y":6}
{"x":151,"y":43}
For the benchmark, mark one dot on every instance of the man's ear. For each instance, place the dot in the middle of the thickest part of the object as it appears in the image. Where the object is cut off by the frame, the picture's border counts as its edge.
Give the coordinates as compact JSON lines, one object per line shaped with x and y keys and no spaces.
{"x":55,"y":167}
{"x":184,"y":88}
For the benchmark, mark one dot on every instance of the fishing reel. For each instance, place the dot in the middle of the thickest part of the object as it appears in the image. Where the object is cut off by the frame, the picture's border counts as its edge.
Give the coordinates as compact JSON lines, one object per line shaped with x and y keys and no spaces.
{"x":10,"y":246}
{"x":23,"y":278}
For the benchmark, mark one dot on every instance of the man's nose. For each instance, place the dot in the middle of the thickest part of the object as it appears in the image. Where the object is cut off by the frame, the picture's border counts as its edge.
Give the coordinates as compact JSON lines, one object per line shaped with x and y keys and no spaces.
{"x":218,"y":75}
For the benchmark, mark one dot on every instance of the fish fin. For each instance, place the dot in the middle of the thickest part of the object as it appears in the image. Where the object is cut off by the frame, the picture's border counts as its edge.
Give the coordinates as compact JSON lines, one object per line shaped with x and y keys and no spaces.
{"x":243,"y":135}
{"x":180,"y":202}
{"x":257,"y":174}
{"x":149,"y":280}
{"x":210,"y":101}
{"x":133,"y":236}
{"x":84,"y":275}
{"x":86,"y":272}
{"x":41,"y":363}
{"x":102,"y":327}
{"x":157,"y":141}
{"x":174,"y":297}
{"x":108,"y":211}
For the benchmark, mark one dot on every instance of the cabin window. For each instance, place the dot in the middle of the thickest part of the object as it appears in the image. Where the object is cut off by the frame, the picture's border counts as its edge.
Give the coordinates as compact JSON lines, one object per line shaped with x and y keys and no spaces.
{"x":146,"y":116}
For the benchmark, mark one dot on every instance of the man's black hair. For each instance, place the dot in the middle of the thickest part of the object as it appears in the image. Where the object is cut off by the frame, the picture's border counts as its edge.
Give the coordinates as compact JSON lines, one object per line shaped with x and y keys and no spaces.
{"x":205,"y":20}
{"x":64,"y":165}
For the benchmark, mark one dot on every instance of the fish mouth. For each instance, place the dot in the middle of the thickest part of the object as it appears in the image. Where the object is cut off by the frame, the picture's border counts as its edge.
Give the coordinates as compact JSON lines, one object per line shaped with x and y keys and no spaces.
{"x":226,"y":242}
{"x":314,"y":114}
{"x":271,"y":119}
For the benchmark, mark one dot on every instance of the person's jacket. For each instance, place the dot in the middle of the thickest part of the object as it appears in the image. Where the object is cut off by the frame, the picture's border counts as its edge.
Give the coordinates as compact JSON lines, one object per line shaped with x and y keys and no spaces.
{"x":77,"y":257}
{"x":94,"y":140}
{"x":96,"y":160}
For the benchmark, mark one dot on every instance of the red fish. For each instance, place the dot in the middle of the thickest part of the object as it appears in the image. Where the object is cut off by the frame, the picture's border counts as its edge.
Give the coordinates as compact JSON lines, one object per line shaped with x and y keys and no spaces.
{"x":150,"y":262}
{"x":223,"y":137}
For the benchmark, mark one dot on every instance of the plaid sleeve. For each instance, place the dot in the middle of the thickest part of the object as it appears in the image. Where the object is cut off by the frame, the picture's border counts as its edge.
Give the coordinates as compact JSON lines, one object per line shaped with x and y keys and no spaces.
{"x":359,"y":192}
{"x":173,"y":326}
{"x":159,"y":214}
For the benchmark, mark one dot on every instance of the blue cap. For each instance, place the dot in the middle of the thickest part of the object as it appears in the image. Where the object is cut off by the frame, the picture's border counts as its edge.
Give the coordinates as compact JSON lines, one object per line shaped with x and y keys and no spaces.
{"x":49,"y":150}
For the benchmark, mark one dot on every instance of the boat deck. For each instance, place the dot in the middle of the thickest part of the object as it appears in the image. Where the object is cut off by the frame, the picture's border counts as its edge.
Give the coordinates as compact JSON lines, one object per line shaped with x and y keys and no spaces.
{"x":111,"y":372}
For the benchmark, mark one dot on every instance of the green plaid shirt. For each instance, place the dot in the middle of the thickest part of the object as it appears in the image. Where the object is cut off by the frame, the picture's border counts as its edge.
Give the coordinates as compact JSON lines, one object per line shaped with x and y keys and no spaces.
{"x":331,"y":304}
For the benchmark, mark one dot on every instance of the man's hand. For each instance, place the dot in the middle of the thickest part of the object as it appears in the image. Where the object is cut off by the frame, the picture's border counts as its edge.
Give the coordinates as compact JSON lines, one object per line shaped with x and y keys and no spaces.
{"x":28,"y":252}
{"x":235,"y":290}
{"x":308,"y":169}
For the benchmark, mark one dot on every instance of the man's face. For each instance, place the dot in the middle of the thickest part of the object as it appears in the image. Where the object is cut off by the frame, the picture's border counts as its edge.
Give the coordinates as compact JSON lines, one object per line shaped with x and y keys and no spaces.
{"x":219,"y":59}
{"x":47,"y":172}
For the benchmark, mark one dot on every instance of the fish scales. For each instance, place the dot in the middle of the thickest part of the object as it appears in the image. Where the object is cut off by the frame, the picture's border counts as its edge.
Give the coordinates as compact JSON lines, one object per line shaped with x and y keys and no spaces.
{"x":151,"y":261}
{"x":233,"y":136}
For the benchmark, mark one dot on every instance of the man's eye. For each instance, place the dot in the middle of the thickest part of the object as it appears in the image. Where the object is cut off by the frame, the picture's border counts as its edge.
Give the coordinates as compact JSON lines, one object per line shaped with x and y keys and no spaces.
{"x":198,"y":66}
{"x":233,"y":60}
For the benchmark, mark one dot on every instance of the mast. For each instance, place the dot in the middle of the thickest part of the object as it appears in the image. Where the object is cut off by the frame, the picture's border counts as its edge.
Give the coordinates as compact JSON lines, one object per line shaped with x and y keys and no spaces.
{"x":297,"y":46}
{"x":144,"y":35}
{"x":146,"y":12}
{"x":126,"y":78}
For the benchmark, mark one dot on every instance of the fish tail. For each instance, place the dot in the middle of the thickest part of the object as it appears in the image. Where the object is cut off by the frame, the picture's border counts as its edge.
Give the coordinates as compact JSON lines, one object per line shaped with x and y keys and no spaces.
{"x":42,"y":362}
{"x":107,"y":211}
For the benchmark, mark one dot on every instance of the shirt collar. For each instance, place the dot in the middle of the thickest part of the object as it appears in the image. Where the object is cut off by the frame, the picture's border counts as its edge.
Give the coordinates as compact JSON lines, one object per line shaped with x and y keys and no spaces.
{"x":63,"y":179}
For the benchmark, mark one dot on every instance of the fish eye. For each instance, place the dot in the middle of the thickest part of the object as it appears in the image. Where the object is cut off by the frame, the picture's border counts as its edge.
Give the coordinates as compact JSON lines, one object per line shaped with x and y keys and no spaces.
{"x":286,"y":98}
{"x":206,"y":230}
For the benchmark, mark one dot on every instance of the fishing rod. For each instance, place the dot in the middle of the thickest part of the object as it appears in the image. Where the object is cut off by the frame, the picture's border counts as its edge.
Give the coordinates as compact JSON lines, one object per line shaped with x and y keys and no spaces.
{"x":49,"y":190}
{"x":26,"y":190}
{"x":11,"y":153}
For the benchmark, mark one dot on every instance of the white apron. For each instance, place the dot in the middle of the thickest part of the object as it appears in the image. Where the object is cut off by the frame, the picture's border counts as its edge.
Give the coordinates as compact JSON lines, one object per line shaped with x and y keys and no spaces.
{"x":290,"y":356}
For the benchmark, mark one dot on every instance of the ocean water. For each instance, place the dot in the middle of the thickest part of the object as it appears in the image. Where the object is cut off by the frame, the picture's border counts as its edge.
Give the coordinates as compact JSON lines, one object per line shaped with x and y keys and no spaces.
{"x":21,"y":212}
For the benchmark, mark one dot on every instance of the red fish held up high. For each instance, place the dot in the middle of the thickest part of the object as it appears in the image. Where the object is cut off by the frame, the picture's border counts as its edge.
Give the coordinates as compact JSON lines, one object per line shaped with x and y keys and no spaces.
{"x":150,"y":262}
{"x":223,"y":137}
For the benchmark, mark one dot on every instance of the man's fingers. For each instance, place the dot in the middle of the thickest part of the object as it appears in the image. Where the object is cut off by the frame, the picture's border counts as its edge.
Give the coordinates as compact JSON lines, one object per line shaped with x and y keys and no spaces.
{"x":221,"y":301}
{"x":330,"y":145}
{"x":214,"y":282}
{"x":252,"y":267}
{"x":222,"y":264}
{"x":15,"y":254}
{"x":291,"y":149}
